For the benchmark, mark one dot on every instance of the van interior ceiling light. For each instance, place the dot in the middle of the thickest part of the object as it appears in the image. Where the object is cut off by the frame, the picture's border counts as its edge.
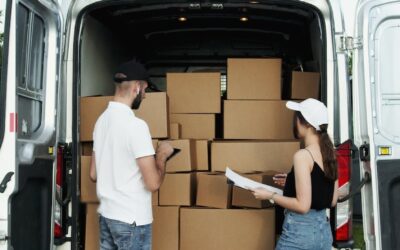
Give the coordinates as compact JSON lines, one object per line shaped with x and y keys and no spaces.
{"x":254,"y":2}
{"x":244,"y":19}
{"x":182,"y":19}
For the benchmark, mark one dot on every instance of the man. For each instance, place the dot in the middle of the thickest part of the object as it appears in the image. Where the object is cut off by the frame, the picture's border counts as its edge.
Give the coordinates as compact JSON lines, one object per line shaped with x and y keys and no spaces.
{"x":124,"y":166}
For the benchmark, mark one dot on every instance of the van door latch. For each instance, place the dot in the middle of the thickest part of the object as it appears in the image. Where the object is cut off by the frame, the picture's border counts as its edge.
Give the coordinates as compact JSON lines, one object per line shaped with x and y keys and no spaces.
{"x":3,"y":237}
{"x":364,"y":152}
{"x":6,"y":179}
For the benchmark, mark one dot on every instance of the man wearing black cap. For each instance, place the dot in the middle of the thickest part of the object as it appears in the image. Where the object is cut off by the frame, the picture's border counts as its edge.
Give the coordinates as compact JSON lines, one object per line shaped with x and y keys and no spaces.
{"x":124,"y":166}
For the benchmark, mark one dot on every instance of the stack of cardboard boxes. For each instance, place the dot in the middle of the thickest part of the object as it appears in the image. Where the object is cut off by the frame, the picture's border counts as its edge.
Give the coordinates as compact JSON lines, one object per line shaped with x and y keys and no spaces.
{"x":195,"y":207}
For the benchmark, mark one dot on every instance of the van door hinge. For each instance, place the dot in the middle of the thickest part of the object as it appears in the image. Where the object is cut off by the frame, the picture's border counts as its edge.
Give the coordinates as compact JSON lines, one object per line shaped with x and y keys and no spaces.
{"x":3,"y":237}
{"x":348,"y":43}
{"x":364,"y":152}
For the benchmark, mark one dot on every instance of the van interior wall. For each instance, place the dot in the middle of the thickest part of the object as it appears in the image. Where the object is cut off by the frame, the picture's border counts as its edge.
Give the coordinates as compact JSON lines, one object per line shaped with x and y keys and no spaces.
{"x":101,"y":52}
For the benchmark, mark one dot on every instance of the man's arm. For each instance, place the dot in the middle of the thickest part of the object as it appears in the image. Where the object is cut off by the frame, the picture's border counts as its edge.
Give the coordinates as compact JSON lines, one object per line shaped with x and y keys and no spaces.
{"x":93,"y":174}
{"x":153,"y":168}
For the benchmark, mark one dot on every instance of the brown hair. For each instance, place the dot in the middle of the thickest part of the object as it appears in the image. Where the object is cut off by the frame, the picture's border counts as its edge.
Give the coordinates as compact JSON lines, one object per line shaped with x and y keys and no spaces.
{"x":325,"y":143}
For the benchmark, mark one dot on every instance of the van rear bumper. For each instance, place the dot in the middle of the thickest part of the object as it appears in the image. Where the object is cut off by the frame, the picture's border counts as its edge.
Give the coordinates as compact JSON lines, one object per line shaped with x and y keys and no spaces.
{"x":344,"y":244}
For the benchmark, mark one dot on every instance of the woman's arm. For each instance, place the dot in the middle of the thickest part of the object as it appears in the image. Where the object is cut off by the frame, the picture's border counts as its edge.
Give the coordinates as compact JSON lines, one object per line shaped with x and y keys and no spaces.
{"x":302,"y":202}
{"x":335,"y":194}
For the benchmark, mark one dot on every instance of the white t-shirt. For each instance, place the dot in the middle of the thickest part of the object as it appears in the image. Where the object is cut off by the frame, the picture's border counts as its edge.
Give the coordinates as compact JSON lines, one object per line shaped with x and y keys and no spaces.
{"x":119,"y":138}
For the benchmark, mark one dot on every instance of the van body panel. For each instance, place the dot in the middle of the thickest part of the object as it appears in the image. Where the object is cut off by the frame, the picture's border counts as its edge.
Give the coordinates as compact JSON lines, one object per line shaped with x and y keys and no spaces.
{"x":376,"y":115}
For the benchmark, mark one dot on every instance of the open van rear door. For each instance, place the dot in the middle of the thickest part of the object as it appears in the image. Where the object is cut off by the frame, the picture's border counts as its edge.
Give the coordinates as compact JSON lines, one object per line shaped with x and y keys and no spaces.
{"x":376,"y":113}
{"x":29,"y":146}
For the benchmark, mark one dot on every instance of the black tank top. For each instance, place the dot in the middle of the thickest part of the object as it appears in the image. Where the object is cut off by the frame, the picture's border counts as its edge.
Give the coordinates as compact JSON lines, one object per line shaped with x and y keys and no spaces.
{"x":322,"y":188}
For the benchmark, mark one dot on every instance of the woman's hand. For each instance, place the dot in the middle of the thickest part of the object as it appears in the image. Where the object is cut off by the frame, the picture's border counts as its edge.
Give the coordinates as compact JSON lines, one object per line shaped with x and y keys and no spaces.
{"x":262,"y":193}
{"x":280,"y":179}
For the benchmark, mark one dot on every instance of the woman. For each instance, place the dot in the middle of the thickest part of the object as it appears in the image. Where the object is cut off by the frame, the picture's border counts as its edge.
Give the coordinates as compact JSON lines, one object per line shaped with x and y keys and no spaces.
{"x":311,"y":186}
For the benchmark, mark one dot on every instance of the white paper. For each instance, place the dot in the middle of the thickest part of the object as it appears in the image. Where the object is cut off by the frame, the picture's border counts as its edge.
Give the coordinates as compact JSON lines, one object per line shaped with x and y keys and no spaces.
{"x":246,"y":183}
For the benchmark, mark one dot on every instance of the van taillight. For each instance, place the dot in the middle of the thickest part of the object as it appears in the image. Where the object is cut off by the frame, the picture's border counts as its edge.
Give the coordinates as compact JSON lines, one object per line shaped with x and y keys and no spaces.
{"x":343,"y":223}
{"x":58,"y":228}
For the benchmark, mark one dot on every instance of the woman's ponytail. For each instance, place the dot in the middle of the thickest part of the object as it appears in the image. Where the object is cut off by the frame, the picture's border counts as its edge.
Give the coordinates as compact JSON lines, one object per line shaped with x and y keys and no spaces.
{"x":328,"y":153}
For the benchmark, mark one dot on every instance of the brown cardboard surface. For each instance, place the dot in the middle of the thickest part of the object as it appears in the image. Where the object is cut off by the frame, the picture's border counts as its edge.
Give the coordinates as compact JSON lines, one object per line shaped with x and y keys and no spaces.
{"x":177,"y":190}
{"x":194,"y":92}
{"x":254,"y":79}
{"x":305,"y":85}
{"x":233,"y":229}
{"x":244,"y":198}
{"x":165,"y":228}
{"x":201,"y":147}
{"x":90,"y":109}
{"x":88,"y":187}
{"x":184,"y":161}
{"x":154,"y":111}
{"x":92,"y":233}
{"x":174,"y":131}
{"x":250,"y":156}
{"x":154,"y":198}
{"x":257,"y":120}
{"x":195,"y":126}
{"x":213,"y":190}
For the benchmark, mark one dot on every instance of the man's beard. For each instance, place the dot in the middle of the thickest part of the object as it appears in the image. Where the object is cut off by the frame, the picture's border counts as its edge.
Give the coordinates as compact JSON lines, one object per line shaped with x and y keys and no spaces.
{"x":138,"y":100}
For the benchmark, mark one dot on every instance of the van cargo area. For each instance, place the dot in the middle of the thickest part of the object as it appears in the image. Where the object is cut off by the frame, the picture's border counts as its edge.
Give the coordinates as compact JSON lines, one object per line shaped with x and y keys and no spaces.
{"x":189,"y":38}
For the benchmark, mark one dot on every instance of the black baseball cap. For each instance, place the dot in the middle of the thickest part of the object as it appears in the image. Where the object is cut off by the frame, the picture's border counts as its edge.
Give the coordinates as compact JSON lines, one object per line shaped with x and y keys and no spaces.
{"x":131,"y":71}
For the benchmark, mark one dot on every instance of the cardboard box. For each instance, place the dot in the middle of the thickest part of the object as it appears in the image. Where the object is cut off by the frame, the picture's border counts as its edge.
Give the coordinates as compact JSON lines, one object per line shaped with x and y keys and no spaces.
{"x":254,"y":79}
{"x":233,"y":229}
{"x":178,"y":190}
{"x":154,"y":198}
{"x":257,"y":120}
{"x":195,"y":126}
{"x":184,"y":161}
{"x":244,"y":198}
{"x":91,"y":108}
{"x":88,"y":187}
{"x":213,"y":190}
{"x":165,"y":228}
{"x":175,"y":131}
{"x":250,"y":156}
{"x":305,"y":85}
{"x":92,"y":231}
{"x":154,"y":111}
{"x":194,"y":92}
{"x":202,"y":159}
{"x":87,"y":148}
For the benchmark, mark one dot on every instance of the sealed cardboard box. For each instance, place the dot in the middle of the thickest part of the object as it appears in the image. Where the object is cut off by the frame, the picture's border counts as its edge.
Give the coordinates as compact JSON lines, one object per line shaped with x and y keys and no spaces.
{"x":213,"y":190}
{"x":165,"y":228}
{"x":305,"y":85}
{"x":201,"y":155}
{"x":178,"y":190}
{"x":184,"y":161}
{"x":92,"y":231}
{"x":244,"y":198}
{"x":254,"y":79}
{"x":154,"y":198}
{"x":257,"y":120}
{"x":174,"y":131}
{"x":250,"y":156}
{"x":233,"y":229}
{"x":91,"y":108}
{"x":194,"y":92}
{"x":154,"y":111}
{"x":195,"y":126}
{"x":88,"y":187}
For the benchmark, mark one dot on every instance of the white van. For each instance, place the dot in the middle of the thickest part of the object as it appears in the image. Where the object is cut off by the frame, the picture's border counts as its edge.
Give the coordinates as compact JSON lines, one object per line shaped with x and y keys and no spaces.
{"x":56,"y":51}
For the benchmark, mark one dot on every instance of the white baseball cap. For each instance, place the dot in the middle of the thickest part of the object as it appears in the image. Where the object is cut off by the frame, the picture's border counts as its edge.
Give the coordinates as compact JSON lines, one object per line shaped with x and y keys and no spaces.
{"x":314,"y":111}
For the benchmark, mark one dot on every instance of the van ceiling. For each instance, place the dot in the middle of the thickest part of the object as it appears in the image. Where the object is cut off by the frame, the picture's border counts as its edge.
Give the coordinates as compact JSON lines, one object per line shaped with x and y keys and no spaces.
{"x":154,"y":34}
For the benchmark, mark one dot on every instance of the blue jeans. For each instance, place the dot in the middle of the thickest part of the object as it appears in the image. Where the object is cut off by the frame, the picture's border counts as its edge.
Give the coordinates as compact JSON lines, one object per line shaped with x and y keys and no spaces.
{"x":123,"y":236}
{"x":310,"y":231}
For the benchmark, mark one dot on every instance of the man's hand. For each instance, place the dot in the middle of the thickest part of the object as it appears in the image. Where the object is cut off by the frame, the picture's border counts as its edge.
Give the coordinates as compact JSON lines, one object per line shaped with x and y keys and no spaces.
{"x":164,"y":150}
